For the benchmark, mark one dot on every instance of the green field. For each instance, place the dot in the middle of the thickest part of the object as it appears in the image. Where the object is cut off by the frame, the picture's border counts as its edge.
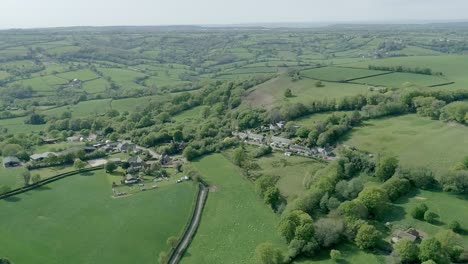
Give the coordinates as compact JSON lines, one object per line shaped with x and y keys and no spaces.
{"x":271,"y":93}
{"x":234,"y":219}
{"x":124,"y":78}
{"x":75,"y":220}
{"x":291,"y":171}
{"x":400,"y":79}
{"x":338,"y":74}
{"x":193,"y":113}
{"x":452,"y":66}
{"x":82,"y":75}
{"x":311,"y":120}
{"x":415,"y":140}
{"x":448,"y":206}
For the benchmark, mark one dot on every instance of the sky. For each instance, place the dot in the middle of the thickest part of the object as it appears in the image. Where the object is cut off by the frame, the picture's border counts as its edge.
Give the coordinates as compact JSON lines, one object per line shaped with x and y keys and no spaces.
{"x":62,"y":13}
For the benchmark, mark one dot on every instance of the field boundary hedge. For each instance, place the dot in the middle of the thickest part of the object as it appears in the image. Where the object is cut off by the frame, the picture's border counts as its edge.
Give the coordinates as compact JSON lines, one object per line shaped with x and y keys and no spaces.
{"x":46,"y":181}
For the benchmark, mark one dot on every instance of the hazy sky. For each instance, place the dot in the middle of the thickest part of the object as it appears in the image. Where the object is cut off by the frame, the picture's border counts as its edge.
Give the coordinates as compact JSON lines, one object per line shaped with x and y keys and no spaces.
{"x":54,"y":13}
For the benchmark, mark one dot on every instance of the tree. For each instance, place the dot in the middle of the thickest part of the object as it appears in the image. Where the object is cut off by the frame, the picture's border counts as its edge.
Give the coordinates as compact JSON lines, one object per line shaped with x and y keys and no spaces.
{"x":328,"y":231}
{"x":455,"y":226}
{"x":172,"y":241}
{"x":450,"y":242}
{"x":367,"y":237}
{"x":79,"y":164}
{"x":386,"y":168}
{"x":178,"y":136}
{"x":265,"y":253}
{"x":335,"y":255}
{"x":288,"y":93}
{"x":319,"y":84}
{"x":4,"y":261}
{"x":430,"y":217}
{"x":418,"y":211}
{"x":407,"y":250}
{"x":354,"y":209}
{"x":431,"y":249}
{"x":26,"y":176}
{"x":239,"y":156}
{"x":110,"y":166}
{"x":375,"y":199}
{"x":163,"y":257}
{"x":36,"y":178}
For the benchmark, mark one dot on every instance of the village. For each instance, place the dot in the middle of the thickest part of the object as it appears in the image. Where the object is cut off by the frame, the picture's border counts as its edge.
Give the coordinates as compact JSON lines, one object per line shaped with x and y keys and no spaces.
{"x":130,"y":167}
{"x":272,"y":136}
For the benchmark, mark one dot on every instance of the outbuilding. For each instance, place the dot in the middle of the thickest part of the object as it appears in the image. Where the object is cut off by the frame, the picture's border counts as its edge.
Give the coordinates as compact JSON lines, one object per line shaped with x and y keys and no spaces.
{"x":11,"y":162}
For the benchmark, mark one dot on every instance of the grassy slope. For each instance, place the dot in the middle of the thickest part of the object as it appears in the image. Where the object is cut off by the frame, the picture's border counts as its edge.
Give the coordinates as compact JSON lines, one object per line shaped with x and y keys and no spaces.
{"x":338,"y":73}
{"x":399,"y":79}
{"x":75,"y":220}
{"x":417,"y":141}
{"x":234,"y":220}
{"x":272,"y":92}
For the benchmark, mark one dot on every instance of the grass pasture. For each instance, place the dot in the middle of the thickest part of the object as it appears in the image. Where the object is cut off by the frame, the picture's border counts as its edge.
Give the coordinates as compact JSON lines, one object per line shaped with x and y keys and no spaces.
{"x":401,"y":79}
{"x":292,"y":171}
{"x":124,"y":78}
{"x":82,"y":75}
{"x":234,"y":219}
{"x":193,"y":113}
{"x":415,"y":140}
{"x":271,"y":93}
{"x":448,"y":206}
{"x":338,"y":74}
{"x":58,"y":221}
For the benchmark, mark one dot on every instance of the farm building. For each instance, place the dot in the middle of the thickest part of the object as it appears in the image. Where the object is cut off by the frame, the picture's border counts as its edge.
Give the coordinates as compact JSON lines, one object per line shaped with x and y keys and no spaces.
{"x":301,"y":149}
{"x":42,"y":156}
{"x":255,"y":137}
{"x":280,"y":142}
{"x":11,"y":162}
{"x":411,"y":234}
{"x":125,"y":146}
{"x":75,"y":138}
{"x":136,"y":162}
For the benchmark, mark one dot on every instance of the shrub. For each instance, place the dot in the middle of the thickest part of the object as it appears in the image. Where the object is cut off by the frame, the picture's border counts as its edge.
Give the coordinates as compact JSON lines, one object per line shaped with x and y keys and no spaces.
{"x":430,"y":217}
{"x":367,"y":237}
{"x":335,"y":254}
{"x":418,"y":211}
{"x":455,"y":226}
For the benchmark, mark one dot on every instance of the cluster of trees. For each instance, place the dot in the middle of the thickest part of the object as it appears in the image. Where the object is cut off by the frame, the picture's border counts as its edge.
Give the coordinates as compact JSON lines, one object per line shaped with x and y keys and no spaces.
{"x":456,"y":180}
{"x":417,"y":70}
{"x":444,"y":248}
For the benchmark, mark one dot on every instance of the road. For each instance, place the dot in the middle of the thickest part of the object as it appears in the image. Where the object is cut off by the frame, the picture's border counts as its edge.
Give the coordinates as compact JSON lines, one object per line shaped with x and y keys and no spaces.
{"x":188,"y":235}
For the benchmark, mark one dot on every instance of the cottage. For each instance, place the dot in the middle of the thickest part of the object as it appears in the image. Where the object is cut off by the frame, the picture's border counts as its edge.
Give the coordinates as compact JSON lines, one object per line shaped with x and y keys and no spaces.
{"x":9,"y":162}
{"x":129,"y":179}
{"x":125,"y":146}
{"x":240,"y":135}
{"x":301,"y":149}
{"x":280,"y":142}
{"x":76,"y":138}
{"x":136,"y":162}
{"x":255,"y":137}
{"x":42,"y":156}
{"x":411,"y":234}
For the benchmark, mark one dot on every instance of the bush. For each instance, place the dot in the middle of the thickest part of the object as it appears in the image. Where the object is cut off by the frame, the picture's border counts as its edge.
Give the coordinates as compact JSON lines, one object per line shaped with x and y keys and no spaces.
{"x":335,"y":254}
{"x":430,"y":217}
{"x":396,"y":187}
{"x":407,"y":250}
{"x":367,"y":237}
{"x":418,"y":211}
{"x":455,"y":226}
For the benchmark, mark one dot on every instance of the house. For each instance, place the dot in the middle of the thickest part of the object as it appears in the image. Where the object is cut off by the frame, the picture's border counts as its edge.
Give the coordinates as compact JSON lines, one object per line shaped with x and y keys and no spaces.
{"x":255,"y":137}
{"x":115,"y":160}
{"x":50,"y":140}
{"x":273,"y":127}
{"x":280,"y":142}
{"x":42,"y":156}
{"x":411,"y":234}
{"x":164,"y":159}
{"x":9,"y":162}
{"x":76,"y":138}
{"x":300,"y":149}
{"x":184,"y":178}
{"x":129,"y":179}
{"x":280,"y":124}
{"x":240,"y":135}
{"x":75,"y":83}
{"x":125,"y":146}
{"x":136,"y":162}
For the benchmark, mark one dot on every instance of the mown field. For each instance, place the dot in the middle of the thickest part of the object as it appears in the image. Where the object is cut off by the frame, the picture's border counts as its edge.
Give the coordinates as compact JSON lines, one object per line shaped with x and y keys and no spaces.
{"x":401,"y":79}
{"x":75,"y":220}
{"x":234,"y":219}
{"x":417,"y":141}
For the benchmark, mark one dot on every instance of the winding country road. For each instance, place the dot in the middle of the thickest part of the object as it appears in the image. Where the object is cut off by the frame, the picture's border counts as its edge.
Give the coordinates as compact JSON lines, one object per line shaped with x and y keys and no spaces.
{"x":189,"y":233}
